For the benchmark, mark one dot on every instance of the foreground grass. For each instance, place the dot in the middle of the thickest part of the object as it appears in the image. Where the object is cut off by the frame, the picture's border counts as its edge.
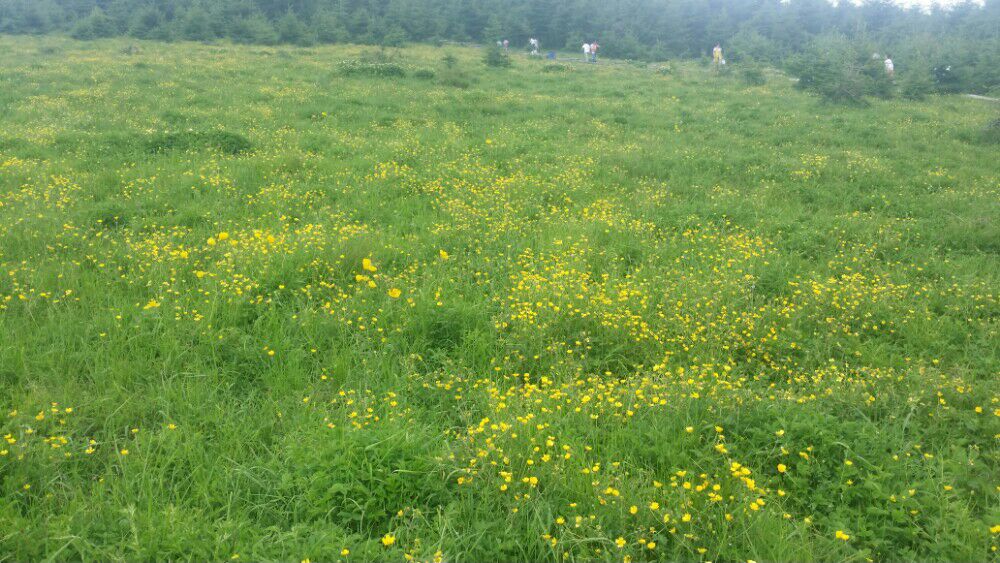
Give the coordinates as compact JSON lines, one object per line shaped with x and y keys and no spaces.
{"x":255,"y":306}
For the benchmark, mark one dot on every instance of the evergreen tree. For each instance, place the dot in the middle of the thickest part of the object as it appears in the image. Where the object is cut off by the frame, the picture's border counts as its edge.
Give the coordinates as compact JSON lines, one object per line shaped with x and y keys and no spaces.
{"x":94,"y":26}
{"x":195,"y":24}
{"x":254,"y":28}
{"x":328,"y":28}
{"x":291,"y":30}
{"x":494,"y":31}
{"x":146,"y":23}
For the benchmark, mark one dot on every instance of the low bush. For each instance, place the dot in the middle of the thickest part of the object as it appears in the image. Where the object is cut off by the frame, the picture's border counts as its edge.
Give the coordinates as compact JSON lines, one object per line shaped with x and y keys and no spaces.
{"x":990,"y":135}
{"x":496,"y":57}
{"x":456,"y":79}
{"x":753,"y":75}
{"x":253,"y":29}
{"x":916,"y":84}
{"x":94,"y":26}
{"x":222,"y":141}
{"x":841,"y":70}
{"x":556,"y":67}
{"x":366,"y":68}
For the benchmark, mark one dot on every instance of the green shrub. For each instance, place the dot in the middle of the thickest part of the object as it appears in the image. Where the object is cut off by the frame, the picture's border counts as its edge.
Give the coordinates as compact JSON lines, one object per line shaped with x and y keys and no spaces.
{"x":379,"y":55}
{"x":146,"y":23}
{"x":753,"y":75}
{"x":496,"y":57}
{"x":916,"y":83}
{"x":456,"y":79}
{"x":424,"y":74}
{"x":990,"y":135}
{"x":253,"y":29}
{"x":556,"y":67}
{"x":360,"y":479}
{"x":364,"y":68}
{"x":290,"y":29}
{"x":840,"y":70}
{"x":222,"y":141}
{"x":878,"y":83}
{"x":94,"y":26}
{"x":327,"y":27}
{"x":195,"y":25}
{"x":395,"y":37}
{"x":949,"y":79}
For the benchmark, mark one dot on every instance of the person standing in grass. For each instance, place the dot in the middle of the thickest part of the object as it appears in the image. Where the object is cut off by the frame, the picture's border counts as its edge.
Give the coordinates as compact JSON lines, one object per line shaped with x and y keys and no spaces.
{"x":586,"y":52}
{"x":533,"y":43}
{"x":890,"y":68}
{"x":717,"y":54}
{"x":593,"y":52}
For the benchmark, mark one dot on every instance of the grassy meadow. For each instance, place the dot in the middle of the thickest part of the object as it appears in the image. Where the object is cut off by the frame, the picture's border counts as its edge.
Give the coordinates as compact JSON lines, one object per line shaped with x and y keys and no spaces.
{"x":280,"y":304}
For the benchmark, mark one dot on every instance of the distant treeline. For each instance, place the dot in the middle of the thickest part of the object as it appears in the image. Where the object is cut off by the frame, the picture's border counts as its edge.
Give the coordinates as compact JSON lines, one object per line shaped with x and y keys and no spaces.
{"x":966,"y":36}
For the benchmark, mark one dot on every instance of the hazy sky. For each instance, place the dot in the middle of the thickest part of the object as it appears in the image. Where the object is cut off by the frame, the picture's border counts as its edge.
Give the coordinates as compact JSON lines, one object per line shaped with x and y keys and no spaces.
{"x":925,"y":3}
{"x":929,"y":2}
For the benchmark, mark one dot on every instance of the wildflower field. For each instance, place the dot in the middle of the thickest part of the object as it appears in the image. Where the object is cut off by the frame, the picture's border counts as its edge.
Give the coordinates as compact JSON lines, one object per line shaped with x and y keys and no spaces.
{"x":318,"y":304}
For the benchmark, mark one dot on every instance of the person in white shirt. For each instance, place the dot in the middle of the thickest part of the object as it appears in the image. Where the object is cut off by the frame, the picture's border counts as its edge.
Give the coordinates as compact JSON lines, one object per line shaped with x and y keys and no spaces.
{"x":586,"y":52}
{"x":890,"y":69}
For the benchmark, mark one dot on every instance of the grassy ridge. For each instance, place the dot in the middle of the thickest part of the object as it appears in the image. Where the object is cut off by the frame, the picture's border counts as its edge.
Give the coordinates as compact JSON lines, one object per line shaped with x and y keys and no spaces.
{"x":258,"y":306}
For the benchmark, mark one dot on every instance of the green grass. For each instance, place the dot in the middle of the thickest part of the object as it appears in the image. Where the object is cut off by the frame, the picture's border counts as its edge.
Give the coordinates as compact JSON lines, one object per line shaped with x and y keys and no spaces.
{"x":593,"y":289}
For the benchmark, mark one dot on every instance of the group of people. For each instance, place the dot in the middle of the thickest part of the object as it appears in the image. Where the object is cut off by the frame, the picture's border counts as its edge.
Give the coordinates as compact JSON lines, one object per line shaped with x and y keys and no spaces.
{"x":533,"y":44}
{"x":590,"y":54}
{"x":589,"y":49}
